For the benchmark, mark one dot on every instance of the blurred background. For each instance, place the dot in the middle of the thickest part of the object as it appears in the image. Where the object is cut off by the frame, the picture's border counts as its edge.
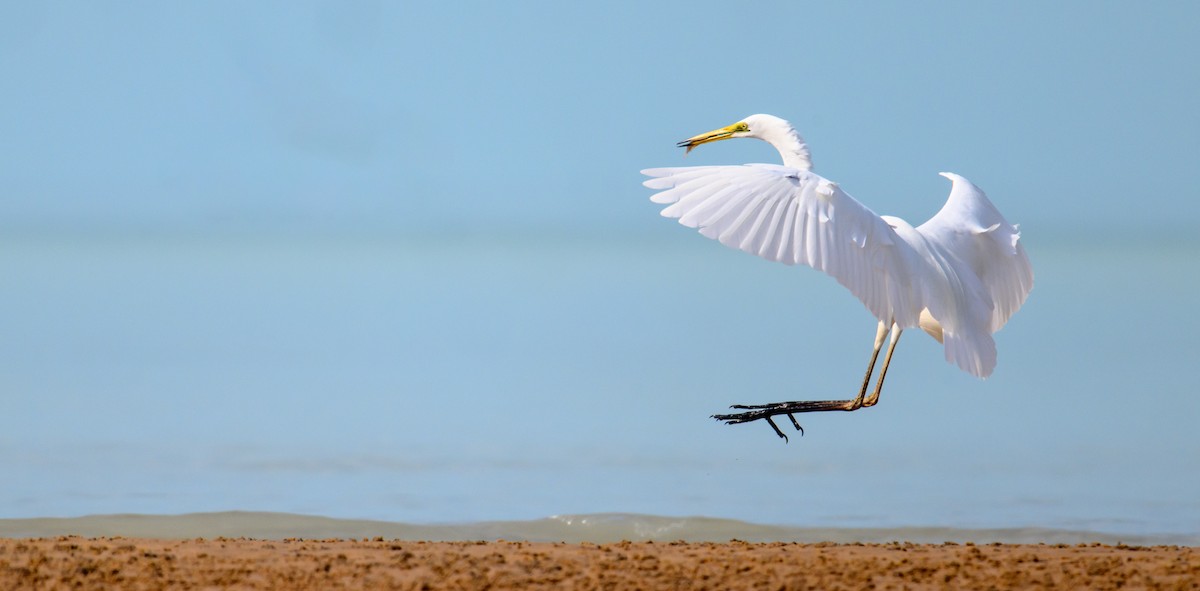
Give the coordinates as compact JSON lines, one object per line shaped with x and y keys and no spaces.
{"x":393,"y":260}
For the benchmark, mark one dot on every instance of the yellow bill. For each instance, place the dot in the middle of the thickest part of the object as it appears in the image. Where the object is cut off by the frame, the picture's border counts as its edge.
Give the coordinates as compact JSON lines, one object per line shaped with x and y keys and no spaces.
{"x":717,"y":134}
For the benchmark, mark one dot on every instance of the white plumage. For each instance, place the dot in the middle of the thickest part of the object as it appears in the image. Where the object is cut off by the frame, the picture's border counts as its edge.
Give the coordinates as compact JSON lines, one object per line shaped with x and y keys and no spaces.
{"x":965,"y":268}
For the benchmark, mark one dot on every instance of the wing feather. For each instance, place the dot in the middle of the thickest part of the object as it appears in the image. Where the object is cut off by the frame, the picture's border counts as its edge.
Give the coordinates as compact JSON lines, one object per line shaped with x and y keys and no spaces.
{"x":794,"y":217}
{"x":784,"y":242}
{"x":971,"y":228}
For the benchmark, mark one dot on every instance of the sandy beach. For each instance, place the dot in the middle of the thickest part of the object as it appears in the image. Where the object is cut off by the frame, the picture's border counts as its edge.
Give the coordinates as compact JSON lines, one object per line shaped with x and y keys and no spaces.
{"x":128,"y":563}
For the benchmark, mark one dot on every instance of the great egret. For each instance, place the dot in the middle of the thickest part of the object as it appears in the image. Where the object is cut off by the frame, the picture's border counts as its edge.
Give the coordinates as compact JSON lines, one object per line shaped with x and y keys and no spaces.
{"x":958,"y":276}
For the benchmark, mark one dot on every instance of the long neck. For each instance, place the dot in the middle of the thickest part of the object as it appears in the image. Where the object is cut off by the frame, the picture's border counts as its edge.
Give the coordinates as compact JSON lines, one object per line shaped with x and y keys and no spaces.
{"x":791,"y":147}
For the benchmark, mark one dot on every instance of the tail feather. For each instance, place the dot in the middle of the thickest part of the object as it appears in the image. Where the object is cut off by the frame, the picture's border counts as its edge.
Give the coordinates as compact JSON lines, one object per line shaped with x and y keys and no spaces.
{"x":974,"y":353}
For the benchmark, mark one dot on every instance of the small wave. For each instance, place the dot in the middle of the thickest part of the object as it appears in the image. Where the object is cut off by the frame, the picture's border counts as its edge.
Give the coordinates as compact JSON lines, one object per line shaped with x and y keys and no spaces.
{"x":595,"y":528}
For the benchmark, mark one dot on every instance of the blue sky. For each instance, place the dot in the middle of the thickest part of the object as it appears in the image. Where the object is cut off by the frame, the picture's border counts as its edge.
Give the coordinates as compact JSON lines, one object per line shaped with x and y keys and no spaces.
{"x":538,"y":115}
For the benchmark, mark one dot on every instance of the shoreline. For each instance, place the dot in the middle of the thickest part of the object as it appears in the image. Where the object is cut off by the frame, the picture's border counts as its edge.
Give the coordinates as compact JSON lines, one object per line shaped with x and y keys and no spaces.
{"x":594,"y":528}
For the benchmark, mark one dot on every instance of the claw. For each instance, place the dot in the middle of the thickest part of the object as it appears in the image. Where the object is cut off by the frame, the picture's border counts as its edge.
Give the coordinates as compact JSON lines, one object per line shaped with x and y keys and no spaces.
{"x":776,"y":428}
{"x":796,"y":424}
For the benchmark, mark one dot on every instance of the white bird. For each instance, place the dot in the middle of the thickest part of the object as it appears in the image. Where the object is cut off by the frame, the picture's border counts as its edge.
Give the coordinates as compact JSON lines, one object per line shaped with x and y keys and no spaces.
{"x":958,"y":276}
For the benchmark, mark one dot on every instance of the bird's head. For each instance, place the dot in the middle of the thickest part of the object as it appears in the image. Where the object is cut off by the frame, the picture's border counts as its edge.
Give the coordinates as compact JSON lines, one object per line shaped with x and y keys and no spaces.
{"x":755,"y":126}
{"x":769,"y":128}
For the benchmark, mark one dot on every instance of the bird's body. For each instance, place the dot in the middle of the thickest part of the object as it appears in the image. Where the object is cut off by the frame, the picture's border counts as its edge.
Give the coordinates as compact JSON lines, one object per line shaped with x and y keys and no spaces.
{"x":958,"y":276}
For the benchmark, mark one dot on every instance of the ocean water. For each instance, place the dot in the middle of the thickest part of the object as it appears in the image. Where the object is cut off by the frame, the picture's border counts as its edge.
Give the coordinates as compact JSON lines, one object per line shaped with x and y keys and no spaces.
{"x":472,"y":378}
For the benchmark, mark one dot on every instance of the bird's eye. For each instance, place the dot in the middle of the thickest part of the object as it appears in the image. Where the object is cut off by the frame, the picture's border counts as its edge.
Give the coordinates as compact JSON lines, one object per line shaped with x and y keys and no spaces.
{"x":743,"y":127}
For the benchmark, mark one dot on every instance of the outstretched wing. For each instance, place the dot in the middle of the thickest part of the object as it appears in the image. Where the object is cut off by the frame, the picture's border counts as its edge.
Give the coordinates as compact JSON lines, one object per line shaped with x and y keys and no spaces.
{"x":974,"y":230}
{"x":794,"y":217}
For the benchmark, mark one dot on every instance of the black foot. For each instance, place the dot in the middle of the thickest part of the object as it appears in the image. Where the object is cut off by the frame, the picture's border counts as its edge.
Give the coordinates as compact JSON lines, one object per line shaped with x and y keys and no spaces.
{"x":766,"y":411}
{"x":746,"y":417}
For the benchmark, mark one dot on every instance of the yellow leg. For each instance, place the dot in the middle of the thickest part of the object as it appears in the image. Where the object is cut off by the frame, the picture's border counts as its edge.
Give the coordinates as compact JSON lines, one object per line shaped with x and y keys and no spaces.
{"x":862,"y":392}
{"x":887,"y":360}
